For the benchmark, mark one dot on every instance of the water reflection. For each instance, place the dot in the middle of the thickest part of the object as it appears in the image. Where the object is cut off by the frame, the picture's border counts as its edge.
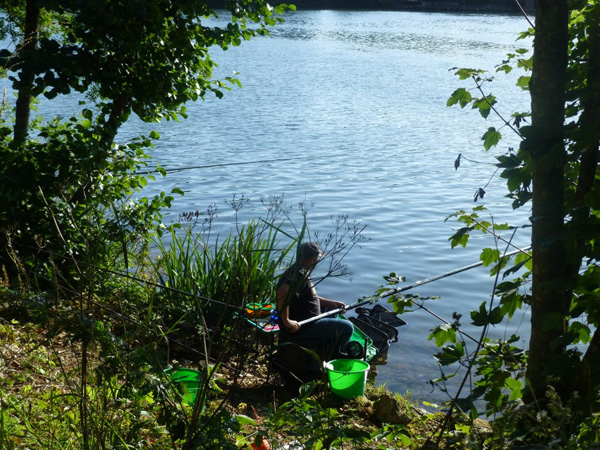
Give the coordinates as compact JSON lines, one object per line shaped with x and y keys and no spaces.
{"x":359,"y":101}
{"x":375,"y":31}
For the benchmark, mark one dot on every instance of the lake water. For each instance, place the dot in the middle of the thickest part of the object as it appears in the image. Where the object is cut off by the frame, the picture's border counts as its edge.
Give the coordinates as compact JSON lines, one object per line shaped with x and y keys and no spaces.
{"x":349,"y":111}
{"x":357,"y":99}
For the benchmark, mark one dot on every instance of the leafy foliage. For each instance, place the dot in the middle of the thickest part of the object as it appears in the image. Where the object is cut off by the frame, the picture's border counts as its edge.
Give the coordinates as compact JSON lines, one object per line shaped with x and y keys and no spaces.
{"x":147,"y":58}
{"x":565,"y":345}
{"x":38,"y":188}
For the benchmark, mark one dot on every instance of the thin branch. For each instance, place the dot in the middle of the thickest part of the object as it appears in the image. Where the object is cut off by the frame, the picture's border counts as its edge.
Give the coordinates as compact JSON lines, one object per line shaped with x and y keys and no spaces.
{"x":506,"y":122}
{"x":525,"y":14}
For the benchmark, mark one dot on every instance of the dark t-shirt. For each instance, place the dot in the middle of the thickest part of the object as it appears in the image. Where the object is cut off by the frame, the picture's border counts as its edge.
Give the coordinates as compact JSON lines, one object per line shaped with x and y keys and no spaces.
{"x":302,"y":299}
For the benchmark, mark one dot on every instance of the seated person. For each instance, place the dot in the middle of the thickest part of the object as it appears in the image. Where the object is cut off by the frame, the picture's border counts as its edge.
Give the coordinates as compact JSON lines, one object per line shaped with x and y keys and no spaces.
{"x":297,"y":300}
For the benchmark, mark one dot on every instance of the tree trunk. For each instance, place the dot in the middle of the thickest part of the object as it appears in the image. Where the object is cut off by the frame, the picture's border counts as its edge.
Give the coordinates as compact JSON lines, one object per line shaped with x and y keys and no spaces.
{"x":23,"y":104}
{"x":550,"y":293}
{"x":590,"y":124}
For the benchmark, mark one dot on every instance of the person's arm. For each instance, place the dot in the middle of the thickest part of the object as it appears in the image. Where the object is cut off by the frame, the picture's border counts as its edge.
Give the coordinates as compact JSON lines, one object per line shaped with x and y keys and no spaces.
{"x":283,"y":310}
{"x":331,"y":304}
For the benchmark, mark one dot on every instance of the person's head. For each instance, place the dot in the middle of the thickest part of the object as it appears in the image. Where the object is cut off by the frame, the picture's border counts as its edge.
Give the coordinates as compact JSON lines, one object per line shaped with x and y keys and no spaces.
{"x":308,"y":254}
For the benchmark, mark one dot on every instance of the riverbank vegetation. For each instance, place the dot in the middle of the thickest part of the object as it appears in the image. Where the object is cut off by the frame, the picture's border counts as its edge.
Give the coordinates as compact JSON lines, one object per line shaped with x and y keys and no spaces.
{"x":472,"y":6}
{"x":99,"y":296}
{"x":555,"y":173}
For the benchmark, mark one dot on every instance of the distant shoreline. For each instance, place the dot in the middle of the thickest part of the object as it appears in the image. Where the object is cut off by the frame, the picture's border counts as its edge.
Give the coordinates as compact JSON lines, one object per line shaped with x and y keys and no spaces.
{"x":466,"y":6}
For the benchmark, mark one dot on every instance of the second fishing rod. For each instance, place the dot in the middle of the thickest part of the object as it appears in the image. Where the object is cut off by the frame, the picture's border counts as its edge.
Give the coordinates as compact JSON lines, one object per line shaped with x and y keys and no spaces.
{"x":374,"y":299}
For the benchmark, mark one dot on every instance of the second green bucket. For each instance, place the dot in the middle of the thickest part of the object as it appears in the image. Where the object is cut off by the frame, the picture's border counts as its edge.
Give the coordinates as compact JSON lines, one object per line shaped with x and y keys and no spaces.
{"x":189,"y":380}
{"x":347,"y":377}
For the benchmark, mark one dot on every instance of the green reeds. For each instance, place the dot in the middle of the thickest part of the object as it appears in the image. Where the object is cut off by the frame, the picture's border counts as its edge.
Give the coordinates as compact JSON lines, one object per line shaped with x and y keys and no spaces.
{"x":223,"y":276}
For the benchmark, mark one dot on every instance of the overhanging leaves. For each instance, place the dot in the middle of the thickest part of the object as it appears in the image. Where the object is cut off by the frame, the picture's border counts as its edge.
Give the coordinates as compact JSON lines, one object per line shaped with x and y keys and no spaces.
{"x":491,"y":138}
{"x":483,"y":317}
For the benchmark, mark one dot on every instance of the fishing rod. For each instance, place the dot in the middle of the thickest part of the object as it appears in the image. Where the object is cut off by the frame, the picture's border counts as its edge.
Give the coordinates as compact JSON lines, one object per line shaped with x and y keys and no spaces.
{"x":156,"y":285}
{"x":129,"y":319}
{"x":376,"y":298}
{"x":208,"y":166}
{"x":161,"y":286}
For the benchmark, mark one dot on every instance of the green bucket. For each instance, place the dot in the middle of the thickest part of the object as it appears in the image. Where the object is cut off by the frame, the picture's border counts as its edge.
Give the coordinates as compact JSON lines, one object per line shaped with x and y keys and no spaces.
{"x":188,"y":380}
{"x":347,"y":377}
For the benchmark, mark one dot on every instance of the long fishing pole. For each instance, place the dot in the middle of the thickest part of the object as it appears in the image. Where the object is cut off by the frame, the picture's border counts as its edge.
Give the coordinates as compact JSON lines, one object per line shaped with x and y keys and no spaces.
{"x":146,"y":282}
{"x":208,"y":166}
{"x":129,"y":319}
{"x":376,"y":298}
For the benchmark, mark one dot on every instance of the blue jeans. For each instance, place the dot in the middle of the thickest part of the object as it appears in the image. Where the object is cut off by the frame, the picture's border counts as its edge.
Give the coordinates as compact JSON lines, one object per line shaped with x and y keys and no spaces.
{"x":325,"y":336}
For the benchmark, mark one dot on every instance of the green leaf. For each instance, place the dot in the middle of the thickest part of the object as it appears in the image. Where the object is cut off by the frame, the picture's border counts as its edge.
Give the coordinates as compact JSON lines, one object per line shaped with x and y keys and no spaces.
{"x":489,"y":256}
{"x":400,"y":303}
{"x":460,"y":96}
{"x":526,"y":259}
{"x":484,"y":105}
{"x":461,"y":237}
{"x":510,"y":303}
{"x":491,"y":138}
{"x":516,"y":268}
{"x":523,"y":82}
{"x":582,"y":332}
{"x":307,"y":389}
{"x":450,"y":354}
{"x":154,"y":134}
{"x":481,"y":318}
{"x":496,"y":315}
{"x":507,"y":287}
{"x":393,"y":278}
{"x":510,"y":161}
{"x":403,"y":438}
{"x":515,"y":387}
{"x":506,"y":68}
{"x":465,"y":73}
{"x":513,"y":179}
{"x":245,"y":420}
{"x":442,"y":334}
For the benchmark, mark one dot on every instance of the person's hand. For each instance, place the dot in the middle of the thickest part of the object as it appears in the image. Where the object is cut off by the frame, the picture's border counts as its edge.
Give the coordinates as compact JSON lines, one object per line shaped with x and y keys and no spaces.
{"x":341,"y":305}
{"x":293,"y":326}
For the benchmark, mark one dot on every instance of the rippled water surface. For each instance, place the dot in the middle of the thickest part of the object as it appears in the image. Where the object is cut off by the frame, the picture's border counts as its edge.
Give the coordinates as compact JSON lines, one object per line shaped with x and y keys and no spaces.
{"x":349,"y":108}
{"x":349,"y":111}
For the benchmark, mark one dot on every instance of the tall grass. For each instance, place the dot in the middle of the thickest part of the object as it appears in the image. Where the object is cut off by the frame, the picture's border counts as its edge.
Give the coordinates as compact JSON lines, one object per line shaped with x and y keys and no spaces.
{"x":95,"y":378}
{"x":223,"y":276}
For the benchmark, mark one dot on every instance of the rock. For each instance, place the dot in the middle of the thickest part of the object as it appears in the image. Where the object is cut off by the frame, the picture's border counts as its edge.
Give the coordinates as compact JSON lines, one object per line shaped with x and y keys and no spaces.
{"x":389,"y":410}
{"x":482,"y":428}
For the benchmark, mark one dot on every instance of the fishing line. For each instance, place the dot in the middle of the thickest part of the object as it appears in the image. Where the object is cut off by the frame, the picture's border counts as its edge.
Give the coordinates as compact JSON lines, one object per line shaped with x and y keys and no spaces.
{"x":241,"y":163}
{"x":139,"y":324}
{"x":208,"y":166}
{"x":140,"y":280}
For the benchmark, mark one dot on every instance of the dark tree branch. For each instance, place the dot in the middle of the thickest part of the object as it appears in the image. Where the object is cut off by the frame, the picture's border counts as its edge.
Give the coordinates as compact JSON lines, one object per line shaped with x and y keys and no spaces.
{"x":27,"y":74}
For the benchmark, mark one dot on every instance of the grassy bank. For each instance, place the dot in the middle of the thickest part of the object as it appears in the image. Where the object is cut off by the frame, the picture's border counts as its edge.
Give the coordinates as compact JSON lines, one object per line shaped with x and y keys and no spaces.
{"x":50,"y":398}
{"x":83,"y":360}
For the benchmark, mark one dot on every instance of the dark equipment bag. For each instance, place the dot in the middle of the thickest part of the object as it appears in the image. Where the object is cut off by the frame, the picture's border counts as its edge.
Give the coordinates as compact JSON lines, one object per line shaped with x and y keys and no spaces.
{"x":295,"y":364}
